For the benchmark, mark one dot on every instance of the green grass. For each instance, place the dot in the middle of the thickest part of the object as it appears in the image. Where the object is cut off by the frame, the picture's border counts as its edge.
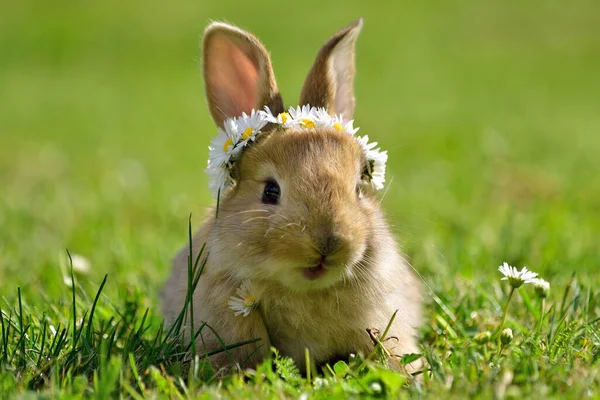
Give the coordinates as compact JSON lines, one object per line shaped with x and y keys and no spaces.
{"x":489,"y":111}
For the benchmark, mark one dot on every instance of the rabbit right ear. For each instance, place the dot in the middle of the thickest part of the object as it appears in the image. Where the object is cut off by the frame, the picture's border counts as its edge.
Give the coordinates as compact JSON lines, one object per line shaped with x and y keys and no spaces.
{"x":331,"y":79}
{"x":237,"y":73}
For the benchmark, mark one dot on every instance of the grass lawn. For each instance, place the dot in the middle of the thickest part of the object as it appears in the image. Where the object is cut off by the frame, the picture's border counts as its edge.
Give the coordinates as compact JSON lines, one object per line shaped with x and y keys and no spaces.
{"x":490,"y":112}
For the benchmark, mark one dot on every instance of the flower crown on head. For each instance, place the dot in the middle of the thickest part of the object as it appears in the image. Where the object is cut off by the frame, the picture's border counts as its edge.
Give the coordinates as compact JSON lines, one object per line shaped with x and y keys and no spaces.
{"x":237,"y":133}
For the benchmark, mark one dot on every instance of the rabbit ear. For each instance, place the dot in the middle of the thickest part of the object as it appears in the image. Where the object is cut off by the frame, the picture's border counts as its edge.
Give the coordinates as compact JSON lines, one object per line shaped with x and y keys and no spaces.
{"x":237,"y":73}
{"x":331,"y":79}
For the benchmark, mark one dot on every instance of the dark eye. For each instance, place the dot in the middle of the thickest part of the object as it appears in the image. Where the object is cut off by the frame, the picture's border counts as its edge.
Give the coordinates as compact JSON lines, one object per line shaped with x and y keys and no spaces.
{"x":271,"y":193}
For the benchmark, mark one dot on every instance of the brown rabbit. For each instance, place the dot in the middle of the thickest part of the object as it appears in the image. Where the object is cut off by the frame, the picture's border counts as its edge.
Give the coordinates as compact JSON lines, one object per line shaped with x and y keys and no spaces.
{"x":297,"y":223}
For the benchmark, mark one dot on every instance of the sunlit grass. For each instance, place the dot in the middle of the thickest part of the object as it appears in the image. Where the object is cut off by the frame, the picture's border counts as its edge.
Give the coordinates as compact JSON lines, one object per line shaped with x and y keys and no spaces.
{"x":488,"y":111}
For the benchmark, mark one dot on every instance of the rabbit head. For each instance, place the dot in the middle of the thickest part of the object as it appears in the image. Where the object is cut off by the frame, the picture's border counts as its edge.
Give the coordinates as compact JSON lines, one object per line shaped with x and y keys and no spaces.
{"x":299,"y":214}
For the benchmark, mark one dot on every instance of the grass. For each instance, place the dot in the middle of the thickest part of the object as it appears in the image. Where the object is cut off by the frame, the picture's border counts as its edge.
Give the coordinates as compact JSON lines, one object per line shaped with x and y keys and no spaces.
{"x":489,"y":113}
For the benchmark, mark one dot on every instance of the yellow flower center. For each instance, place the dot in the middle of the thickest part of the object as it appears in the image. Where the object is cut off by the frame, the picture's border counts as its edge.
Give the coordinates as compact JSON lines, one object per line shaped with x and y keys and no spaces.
{"x":247,"y":133}
{"x":338,"y":127}
{"x":248,"y":301}
{"x":308,"y":124}
{"x":228,"y":143}
{"x":284,"y":117}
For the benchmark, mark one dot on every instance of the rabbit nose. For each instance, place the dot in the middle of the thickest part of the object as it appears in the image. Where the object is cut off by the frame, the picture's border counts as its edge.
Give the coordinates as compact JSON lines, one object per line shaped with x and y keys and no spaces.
{"x":330,"y":244}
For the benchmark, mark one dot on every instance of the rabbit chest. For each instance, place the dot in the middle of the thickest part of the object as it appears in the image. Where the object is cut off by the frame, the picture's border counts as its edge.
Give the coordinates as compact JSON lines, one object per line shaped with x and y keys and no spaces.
{"x":328,"y":323}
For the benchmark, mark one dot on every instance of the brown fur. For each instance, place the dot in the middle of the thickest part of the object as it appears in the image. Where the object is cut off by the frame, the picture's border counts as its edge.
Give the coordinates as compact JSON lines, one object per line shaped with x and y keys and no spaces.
{"x":330,"y":80}
{"x":318,"y":173}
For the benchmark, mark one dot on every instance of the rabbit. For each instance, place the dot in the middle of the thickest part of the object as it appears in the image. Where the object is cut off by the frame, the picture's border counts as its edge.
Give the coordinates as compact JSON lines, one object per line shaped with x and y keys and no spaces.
{"x":318,"y":252}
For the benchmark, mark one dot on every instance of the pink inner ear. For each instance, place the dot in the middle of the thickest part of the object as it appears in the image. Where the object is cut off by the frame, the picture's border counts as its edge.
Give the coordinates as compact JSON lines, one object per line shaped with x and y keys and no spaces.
{"x":231,"y":76}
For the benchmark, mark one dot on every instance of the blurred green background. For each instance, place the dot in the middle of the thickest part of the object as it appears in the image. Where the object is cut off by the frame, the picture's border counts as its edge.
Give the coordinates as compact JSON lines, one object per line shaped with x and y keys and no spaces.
{"x":489,"y":110}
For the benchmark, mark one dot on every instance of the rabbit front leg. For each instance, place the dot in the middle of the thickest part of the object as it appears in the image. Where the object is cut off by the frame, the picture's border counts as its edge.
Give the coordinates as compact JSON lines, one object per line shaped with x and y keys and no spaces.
{"x":225,"y":330}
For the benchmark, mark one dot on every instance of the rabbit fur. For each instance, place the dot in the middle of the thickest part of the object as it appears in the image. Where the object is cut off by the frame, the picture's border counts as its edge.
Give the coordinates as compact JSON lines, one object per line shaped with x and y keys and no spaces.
{"x":322,"y":218}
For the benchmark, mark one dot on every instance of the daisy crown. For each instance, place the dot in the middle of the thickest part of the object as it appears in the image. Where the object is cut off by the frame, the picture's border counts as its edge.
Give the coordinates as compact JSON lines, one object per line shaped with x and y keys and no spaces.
{"x":225,"y":149}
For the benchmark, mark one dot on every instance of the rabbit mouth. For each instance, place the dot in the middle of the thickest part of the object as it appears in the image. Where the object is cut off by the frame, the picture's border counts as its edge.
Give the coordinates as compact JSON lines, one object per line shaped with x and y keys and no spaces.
{"x":315,"y":272}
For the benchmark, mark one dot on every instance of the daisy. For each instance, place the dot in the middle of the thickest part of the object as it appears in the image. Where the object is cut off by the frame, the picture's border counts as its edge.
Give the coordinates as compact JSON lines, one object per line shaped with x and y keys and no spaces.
{"x":267,"y":114}
{"x":516,"y":278}
{"x":376,"y":160}
{"x":223,"y":146}
{"x":244,"y":302}
{"x":249,"y":126}
{"x":303,"y":116}
{"x":323,"y":119}
{"x":284,"y":119}
{"x":239,"y":132}
{"x":217,"y":150}
{"x":365,"y":145}
{"x":219,"y":178}
{"x":541,"y":287}
{"x":344,"y":126}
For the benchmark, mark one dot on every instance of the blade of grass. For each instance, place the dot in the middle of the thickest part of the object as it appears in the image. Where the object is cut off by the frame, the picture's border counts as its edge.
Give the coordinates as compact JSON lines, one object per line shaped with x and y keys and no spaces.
{"x":88,"y":333}
{"x":190,"y":293}
{"x":307,"y":361}
{"x":43,"y":338}
{"x":74,"y":304}
{"x":4,"y":339}
{"x":222,"y":343}
{"x":135,"y":372}
{"x":231,"y":346}
{"x":22,"y":361}
{"x":379,"y":346}
{"x":249,"y":356}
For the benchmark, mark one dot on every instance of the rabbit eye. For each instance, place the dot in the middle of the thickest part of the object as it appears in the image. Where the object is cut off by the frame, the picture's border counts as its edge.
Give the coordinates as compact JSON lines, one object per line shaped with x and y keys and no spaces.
{"x":271,"y":192}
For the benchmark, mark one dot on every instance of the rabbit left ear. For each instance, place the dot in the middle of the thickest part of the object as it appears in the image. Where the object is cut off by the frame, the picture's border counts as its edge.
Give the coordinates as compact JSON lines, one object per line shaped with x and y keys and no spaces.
{"x":237,"y":73}
{"x":330,"y":82}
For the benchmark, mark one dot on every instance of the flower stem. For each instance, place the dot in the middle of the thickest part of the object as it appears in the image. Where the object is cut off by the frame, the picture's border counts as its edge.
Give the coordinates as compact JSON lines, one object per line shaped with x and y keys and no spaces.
{"x":500,"y":348}
{"x":543,"y":308}
{"x":500,"y":345}
{"x":512,"y":290}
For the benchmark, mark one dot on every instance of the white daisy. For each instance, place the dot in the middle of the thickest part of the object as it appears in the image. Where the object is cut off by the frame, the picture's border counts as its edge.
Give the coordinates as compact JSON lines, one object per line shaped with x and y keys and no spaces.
{"x":284,"y":119}
{"x":303,"y":116}
{"x":364,"y":143}
{"x":377,"y":160}
{"x":267,"y":114}
{"x":223,"y":146}
{"x":516,"y":278}
{"x":217,"y":155}
{"x":244,"y":302}
{"x":344,"y":126}
{"x":249,"y":126}
{"x":541,"y":287}
{"x":322,"y":118}
{"x":239,"y":132}
{"x":219,"y":178}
